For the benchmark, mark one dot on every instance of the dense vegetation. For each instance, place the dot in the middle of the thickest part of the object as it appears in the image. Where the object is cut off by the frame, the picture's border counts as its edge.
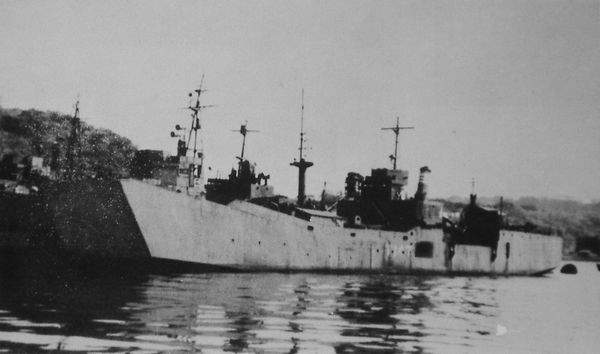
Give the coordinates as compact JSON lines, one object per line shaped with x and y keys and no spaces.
{"x":97,"y":152}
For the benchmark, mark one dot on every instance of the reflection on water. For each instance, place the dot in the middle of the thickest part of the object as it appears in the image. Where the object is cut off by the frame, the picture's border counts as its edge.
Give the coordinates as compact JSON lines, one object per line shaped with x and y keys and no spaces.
{"x":49,"y":305}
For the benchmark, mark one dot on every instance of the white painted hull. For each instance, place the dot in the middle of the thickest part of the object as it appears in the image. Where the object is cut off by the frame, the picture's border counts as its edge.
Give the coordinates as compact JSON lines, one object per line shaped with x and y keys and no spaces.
{"x":246,"y":236}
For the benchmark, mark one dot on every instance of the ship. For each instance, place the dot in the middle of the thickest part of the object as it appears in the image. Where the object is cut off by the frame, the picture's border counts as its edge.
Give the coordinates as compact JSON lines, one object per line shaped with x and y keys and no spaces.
{"x":168,"y":211}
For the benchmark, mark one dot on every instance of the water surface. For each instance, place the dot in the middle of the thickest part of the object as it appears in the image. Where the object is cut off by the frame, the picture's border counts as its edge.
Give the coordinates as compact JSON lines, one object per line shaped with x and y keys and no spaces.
{"x":50,"y":307}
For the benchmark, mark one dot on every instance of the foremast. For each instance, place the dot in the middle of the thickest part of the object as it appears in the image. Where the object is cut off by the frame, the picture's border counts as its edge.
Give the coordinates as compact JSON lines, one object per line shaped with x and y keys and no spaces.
{"x":302,"y":164}
{"x":190,"y":174}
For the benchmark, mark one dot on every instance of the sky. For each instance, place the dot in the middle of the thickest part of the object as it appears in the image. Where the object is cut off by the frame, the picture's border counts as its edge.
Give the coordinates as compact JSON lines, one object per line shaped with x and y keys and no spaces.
{"x":503,"y":92}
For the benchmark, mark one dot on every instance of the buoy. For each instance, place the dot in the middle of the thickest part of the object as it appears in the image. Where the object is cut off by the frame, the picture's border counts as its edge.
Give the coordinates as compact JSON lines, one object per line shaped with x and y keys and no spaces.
{"x":568,"y":269}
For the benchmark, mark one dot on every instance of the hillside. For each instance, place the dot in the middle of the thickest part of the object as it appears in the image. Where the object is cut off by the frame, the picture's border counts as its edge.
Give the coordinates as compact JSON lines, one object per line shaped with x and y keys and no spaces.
{"x":46,"y":134}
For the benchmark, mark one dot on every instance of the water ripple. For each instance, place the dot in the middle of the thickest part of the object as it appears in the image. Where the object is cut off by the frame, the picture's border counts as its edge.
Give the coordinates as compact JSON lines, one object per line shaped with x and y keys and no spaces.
{"x":293,"y":313}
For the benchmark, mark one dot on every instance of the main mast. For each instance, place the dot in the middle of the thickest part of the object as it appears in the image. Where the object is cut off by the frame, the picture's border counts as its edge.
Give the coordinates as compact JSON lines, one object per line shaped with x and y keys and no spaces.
{"x":302,"y":164}
{"x":396,"y":131}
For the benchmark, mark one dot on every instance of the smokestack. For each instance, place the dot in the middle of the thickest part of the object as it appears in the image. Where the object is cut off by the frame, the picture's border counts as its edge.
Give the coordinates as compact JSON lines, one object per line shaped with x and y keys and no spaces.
{"x":422,"y":187}
{"x":473,"y":196}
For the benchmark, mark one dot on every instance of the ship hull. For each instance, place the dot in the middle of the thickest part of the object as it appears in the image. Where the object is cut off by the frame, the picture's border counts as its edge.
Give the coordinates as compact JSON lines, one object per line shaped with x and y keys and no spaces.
{"x":246,"y":236}
{"x":93,"y":217}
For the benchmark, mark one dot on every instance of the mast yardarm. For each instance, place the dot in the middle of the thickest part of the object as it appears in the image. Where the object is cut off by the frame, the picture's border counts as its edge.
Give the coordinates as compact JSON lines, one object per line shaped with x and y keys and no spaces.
{"x":396,"y":131}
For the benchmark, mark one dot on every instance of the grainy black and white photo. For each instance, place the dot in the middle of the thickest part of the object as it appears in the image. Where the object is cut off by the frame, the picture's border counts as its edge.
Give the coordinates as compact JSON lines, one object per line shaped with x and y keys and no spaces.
{"x":264,"y":176}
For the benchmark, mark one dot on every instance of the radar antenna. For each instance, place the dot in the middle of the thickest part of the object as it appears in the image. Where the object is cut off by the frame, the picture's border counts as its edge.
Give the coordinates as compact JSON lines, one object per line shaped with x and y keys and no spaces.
{"x":396,"y":131}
